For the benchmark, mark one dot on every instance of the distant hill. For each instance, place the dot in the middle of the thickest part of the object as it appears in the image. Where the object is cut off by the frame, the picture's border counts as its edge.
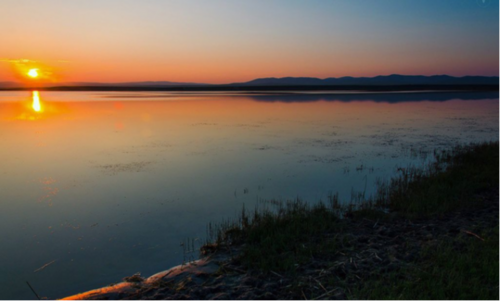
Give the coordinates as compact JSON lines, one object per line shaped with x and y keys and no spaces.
{"x":381,"y":80}
{"x":392,"y":82}
{"x":8,"y":84}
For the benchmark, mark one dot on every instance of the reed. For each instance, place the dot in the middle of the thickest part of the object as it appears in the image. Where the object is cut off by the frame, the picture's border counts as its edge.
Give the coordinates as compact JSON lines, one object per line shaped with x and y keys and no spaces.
{"x":450,"y":182}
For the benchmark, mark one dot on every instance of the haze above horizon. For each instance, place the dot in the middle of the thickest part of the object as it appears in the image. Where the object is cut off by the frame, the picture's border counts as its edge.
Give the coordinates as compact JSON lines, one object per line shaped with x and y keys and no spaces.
{"x":224,"y":41}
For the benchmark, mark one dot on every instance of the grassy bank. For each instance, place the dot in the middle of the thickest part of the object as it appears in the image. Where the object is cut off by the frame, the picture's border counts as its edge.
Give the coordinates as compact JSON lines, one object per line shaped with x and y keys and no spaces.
{"x":443,"y":272}
{"x":450,"y":183}
{"x":428,"y":234}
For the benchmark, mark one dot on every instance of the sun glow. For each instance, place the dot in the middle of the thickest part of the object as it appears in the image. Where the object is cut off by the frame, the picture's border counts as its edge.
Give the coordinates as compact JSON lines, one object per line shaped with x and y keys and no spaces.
{"x":37,"y":107}
{"x":33,"y":73}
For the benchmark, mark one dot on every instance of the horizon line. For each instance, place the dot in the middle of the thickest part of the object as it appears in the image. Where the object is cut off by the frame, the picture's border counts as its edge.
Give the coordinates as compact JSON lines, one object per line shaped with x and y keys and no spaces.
{"x":55,"y":84}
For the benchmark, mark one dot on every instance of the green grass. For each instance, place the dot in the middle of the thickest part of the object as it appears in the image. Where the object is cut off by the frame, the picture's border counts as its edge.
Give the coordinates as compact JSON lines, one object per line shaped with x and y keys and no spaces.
{"x":452,"y":182}
{"x":283,"y":242}
{"x":466,"y":268}
{"x":281,"y":236}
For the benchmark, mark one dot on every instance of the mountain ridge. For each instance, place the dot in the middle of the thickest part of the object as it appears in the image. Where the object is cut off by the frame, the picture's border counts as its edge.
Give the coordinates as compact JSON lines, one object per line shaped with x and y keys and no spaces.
{"x":392,"y":79}
{"x":379,"y":80}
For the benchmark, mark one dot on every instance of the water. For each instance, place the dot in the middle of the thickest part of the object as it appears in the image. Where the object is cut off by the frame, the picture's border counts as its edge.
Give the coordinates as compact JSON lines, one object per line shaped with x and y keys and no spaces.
{"x":102,"y":185}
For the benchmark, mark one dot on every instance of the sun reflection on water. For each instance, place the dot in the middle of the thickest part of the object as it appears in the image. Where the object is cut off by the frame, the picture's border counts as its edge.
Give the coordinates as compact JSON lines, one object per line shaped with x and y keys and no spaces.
{"x":34,"y":108}
{"x":37,"y":106}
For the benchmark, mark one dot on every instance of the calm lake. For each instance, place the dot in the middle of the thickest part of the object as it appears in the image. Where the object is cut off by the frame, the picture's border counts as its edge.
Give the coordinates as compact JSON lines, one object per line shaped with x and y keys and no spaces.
{"x":96,"y":186}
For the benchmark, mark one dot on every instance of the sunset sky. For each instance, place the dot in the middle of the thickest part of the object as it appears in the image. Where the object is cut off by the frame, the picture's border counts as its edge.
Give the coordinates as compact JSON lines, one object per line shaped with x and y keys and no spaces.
{"x":232,"y":41}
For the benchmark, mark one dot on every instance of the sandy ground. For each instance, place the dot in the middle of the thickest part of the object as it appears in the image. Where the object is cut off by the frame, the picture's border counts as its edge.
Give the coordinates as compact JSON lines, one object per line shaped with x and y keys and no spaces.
{"x":198,"y":269}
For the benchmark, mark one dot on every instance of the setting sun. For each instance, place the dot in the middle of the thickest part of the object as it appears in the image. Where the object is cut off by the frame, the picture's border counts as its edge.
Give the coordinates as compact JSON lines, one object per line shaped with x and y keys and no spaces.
{"x":33,"y":73}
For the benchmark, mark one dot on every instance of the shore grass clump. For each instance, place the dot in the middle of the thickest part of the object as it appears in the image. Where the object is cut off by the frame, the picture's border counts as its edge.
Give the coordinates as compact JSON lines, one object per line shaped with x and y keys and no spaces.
{"x":283,"y":241}
{"x":453,"y":181}
{"x":280,"y":235}
{"x":460,"y":269}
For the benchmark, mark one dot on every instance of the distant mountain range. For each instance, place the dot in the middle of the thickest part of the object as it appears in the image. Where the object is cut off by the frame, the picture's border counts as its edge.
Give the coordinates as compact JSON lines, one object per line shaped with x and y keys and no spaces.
{"x":381,"y":80}
{"x":8,"y":85}
{"x":334,"y":82}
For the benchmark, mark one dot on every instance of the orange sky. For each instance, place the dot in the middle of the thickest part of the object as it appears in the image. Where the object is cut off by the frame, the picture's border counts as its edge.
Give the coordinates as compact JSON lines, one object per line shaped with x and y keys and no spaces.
{"x":224,"y":41}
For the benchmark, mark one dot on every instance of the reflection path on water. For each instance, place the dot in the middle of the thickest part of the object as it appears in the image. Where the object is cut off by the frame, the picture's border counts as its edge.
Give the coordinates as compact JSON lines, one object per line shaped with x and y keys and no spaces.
{"x":37,"y":107}
{"x":103,"y":185}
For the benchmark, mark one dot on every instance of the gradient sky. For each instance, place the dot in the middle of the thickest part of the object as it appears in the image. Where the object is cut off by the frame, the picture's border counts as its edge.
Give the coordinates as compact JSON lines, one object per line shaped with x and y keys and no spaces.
{"x":223,"y":41}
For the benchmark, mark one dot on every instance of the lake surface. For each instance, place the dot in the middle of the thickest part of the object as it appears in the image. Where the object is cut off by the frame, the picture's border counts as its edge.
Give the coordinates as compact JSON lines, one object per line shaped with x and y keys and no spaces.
{"x":96,"y":186}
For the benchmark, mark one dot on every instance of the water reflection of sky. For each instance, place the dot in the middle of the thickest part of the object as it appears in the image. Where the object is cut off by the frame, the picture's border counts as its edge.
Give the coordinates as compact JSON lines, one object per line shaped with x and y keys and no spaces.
{"x":102,"y":185}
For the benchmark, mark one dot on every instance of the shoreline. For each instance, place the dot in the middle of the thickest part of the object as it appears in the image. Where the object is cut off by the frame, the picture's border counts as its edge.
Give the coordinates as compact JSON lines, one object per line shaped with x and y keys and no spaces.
{"x":135,"y":283}
{"x":375,"y":247}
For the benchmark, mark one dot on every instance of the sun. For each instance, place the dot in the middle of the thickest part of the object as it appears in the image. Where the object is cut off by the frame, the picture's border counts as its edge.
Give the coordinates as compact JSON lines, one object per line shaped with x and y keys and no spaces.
{"x":33,"y":73}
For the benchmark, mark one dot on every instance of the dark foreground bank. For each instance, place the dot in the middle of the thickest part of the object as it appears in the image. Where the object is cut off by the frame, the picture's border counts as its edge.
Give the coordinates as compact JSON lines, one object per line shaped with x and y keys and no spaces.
{"x":427,"y":234}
